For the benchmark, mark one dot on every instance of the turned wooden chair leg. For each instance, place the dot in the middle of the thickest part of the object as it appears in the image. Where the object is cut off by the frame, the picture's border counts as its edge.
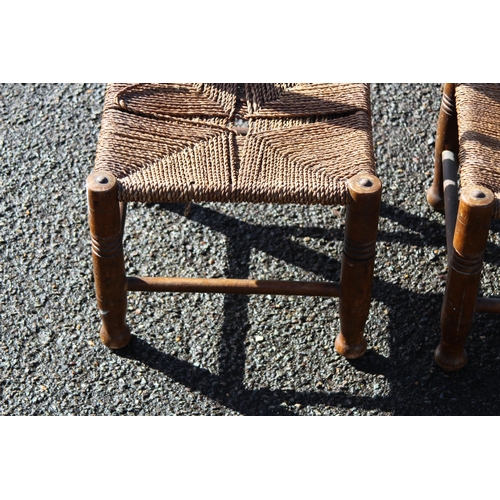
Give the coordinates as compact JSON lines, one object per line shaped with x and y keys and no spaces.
{"x":464,"y":273}
{"x":107,"y":254}
{"x":356,"y":276}
{"x":446,"y":139}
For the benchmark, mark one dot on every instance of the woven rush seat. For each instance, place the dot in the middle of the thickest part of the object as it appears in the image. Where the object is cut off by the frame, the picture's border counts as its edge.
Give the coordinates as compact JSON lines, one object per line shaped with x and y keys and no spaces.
{"x":262,"y":143}
{"x":478,"y":115}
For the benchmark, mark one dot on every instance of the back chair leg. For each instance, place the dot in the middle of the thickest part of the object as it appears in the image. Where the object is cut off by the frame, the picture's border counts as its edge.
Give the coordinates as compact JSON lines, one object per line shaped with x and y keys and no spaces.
{"x":446,"y":139}
{"x":106,"y":220}
{"x":464,"y":273}
{"x":356,"y":276}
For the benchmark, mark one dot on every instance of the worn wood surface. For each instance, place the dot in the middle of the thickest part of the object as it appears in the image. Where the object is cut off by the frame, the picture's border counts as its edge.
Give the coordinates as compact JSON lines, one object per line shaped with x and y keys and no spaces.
{"x":462,"y":286}
{"x":236,"y":286}
{"x":356,"y":276}
{"x":105,"y":219}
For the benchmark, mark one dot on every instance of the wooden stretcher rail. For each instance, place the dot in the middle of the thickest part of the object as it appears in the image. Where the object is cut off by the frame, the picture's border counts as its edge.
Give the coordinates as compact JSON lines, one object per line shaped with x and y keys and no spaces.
{"x":488,"y":305}
{"x":237,"y":286}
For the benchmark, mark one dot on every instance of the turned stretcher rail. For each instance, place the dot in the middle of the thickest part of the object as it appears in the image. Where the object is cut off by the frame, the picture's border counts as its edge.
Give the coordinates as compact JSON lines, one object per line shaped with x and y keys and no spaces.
{"x":488,"y":305}
{"x":237,"y":286}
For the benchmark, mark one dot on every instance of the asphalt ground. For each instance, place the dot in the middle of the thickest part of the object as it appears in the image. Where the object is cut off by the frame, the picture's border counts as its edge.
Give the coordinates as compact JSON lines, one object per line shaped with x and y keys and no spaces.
{"x":202,"y":354}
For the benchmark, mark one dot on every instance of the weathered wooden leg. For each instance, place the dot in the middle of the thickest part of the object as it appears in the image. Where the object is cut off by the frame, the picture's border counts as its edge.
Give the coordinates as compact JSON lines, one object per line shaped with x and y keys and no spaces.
{"x":107,"y":255}
{"x":356,"y":274}
{"x":446,"y":139}
{"x":464,"y":272}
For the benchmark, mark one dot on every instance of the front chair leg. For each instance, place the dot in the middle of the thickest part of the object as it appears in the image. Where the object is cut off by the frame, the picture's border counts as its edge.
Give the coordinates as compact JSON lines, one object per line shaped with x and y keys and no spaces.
{"x":358,"y":259}
{"x":107,"y":255}
{"x":464,"y":273}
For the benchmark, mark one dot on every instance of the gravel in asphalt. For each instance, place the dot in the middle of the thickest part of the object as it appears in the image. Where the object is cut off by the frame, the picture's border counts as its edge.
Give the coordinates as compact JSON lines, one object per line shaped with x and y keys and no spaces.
{"x":199,"y":354}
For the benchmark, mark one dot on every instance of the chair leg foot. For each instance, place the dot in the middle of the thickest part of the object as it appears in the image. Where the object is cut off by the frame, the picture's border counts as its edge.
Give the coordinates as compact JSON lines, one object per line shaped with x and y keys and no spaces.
{"x":450,"y":358}
{"x":117,"y":340}
{"x":350,"y":351}
{"x":435,"y":198}
{"x":356,"y":276}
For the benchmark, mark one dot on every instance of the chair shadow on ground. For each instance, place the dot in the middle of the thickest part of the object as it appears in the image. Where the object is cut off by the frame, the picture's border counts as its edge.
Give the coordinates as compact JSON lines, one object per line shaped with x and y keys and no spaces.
{"x":416,"y":385}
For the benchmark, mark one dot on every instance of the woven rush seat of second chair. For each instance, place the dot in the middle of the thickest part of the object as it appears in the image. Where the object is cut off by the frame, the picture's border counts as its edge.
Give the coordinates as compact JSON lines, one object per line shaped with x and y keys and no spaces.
{"x":478,"y":115}
{"x":269,"y":143}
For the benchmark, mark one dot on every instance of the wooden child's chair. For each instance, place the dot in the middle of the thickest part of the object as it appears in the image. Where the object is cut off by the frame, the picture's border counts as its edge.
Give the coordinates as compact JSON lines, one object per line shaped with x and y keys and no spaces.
{"x":260,"y":143}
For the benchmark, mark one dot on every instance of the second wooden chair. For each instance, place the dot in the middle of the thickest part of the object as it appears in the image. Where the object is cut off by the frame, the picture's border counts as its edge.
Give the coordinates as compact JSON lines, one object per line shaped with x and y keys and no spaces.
{"x":468,"y":137}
